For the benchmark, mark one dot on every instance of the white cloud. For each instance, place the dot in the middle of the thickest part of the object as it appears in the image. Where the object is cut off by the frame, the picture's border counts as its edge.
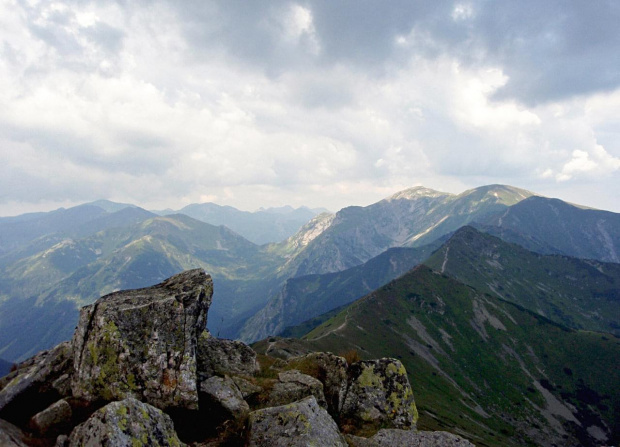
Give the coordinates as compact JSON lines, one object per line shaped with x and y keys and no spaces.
{"x":121,"y":100}
{"x":597,"y":163}
{"x":462,"y":11}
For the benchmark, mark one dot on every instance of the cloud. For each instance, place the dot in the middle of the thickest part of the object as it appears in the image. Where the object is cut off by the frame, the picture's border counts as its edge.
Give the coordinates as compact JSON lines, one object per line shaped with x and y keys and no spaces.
{"x":598,"y":163}
{"x":303,"y":102}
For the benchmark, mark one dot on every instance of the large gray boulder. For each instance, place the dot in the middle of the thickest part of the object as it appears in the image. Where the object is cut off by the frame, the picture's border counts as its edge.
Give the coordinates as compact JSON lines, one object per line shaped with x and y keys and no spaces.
{"x":10,"y":435}
{"x":142,"y":343}
{"x":221,"y":398}
{"x":221,"y":357}
{"x":36,"y":383}
{"x":299,"y":424}
{"x":293,"y":385}
{"x":379,"y":393}
{"x":56,"y":416}
{"x":126,"y":423}
{"x":409,"y":438}
{"x":331,"y":371}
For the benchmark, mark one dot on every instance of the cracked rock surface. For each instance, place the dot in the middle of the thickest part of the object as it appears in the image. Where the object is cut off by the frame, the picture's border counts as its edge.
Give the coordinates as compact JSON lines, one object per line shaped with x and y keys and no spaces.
{"x":142,"y":343}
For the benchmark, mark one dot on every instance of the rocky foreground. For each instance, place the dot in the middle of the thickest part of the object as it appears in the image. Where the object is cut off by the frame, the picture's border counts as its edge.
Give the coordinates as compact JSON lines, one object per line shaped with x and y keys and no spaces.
{"x":141,"y":370}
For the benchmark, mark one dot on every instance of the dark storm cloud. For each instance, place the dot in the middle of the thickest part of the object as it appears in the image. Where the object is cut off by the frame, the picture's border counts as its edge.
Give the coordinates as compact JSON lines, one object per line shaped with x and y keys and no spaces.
{"x":549,"y":49}
{"x":553,"y":49}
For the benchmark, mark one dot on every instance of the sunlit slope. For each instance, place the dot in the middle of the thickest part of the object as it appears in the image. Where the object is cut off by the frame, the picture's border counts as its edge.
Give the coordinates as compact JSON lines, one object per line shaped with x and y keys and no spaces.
{"x":410,"y":218}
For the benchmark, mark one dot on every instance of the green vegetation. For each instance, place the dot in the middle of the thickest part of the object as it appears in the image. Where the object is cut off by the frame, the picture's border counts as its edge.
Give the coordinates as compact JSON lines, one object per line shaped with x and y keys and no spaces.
{"x":481,"y":366}
{"x":581,"y":294}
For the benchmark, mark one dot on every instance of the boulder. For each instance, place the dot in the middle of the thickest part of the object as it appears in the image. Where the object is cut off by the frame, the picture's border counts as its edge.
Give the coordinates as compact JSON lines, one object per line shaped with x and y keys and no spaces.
{"x":221,"y":398}
{"x":283,"y":348}
{"x":36,"y":383}
{"x":10,"y":435}
{"x":409,"y":438}
{"x":221,"y":357}
{"x":293,"y":385}
{"x":247,"y":388}
{"x":302,"y":423}
{"x":331,"y":371}
{"x":142,"y":343}
{"x":54,"y":417}
{"x":379,"y":393}
{"x":126,"y":423}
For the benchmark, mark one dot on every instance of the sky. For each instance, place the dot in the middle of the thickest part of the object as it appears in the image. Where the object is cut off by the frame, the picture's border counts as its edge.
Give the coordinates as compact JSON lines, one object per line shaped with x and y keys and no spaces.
{"x":319,"y":103}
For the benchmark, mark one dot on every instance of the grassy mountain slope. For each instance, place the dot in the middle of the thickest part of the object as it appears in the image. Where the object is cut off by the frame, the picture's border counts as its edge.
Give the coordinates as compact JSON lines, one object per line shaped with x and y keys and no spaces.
{"x":309,"y":296}
{"x":484,"y":368}
{"x":581,"y":294}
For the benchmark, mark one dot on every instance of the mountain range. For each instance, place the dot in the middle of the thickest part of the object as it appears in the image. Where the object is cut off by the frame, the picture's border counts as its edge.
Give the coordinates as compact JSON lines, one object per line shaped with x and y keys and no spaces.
{"x":503,"y":305}
{"x":261,"y":227}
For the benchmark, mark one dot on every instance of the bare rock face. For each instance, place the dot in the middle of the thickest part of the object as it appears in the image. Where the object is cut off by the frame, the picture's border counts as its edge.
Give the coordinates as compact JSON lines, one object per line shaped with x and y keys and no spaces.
{"x":222,"y":398}
{"x":293,"y":385}
{"x":142,"y":343}
{"x":411,"y":438}
{"x":221,"y":357}
{"x":56,"y":415}
{"x":331,"y":371}
{"x":126,"y":423}
{"x":379,"y":392}
{"x":300,"y":424}
{"x":36,"y":383}
{"x":10,"y":435}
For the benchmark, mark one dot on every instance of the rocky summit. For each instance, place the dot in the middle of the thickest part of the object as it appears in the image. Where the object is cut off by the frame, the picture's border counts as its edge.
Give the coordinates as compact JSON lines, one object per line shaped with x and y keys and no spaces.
{"x":141,"y":370}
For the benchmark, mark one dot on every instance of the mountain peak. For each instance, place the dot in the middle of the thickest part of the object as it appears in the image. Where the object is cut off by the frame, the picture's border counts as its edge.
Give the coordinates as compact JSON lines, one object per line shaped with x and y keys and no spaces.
{"x":506,"y":194}
{"x":109,"y":206}
{"x":415,"y":193}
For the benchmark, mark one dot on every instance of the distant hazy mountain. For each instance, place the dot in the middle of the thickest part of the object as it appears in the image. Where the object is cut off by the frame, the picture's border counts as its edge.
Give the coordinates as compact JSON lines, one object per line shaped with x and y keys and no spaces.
{"x":77,"y":271}
{"x":485,"y":368}
{"x":411,"y":218}
{"x":572,"y":230}
{"x":581,"y":294}
{"x":17,"y":232}
{"x":261,"y":227}
{"x":417,"y":216}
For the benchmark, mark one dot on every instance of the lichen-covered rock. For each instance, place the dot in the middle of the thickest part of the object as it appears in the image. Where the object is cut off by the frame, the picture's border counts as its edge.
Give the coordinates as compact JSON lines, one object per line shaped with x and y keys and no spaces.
{"x":302,"y":423}
{"x":142,"y":343}
{"x":221,"y":397}
{"x":10,"y":435}
{"x":37,"y":383}
{"x":293,"y":385}
{"x":379,"y":392}
{"x":126,"y":423}
{"x":409,"y":438}
{"x":331,"y":371}
{"x":221,"y":357}
{"x":56,"y":415}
